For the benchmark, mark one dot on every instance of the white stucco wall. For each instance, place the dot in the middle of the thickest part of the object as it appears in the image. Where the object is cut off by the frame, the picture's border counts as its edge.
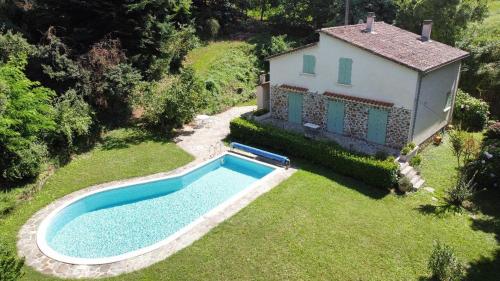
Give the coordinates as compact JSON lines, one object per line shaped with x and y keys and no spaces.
{"x":432,"y":100}
{"x":373,"y":77}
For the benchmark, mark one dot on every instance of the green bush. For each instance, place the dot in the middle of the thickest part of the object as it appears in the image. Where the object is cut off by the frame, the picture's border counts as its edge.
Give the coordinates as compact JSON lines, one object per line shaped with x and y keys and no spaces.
{"x":404,"y":184}
{"x":367,"y":169}
{"x":416,"y":160}
{"x":486,"y":167}
{"x":493,"y":131}
{"x":74,"y":118}
{"x":444,"y":265}
{"x":212,"y":28}
{"x":408,"y":148}
{"x":470,"y":113}
{"x":173,"y":101}
{"x":462,"y":191}
{"x":10,"y":266}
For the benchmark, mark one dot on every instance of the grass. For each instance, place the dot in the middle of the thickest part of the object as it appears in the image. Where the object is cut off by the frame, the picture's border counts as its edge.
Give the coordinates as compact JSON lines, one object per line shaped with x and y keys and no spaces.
{"x":229,"y":69}
{"x":314,"y":226}
{"x":491,"y":22}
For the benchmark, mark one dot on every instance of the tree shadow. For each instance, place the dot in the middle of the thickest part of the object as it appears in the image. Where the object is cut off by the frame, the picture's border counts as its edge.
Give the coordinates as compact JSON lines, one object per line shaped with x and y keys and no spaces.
{"x":487,"y":202}
{"x":132,"y":136}
{"x":438,"y":210}
{"x":367,"y":190}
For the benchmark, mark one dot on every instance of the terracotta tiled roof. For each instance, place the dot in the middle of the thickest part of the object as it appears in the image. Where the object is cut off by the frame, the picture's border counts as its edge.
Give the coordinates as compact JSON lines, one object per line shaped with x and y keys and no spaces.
{"x":398,"y":45}
{"x":294,"y":88}
{"x":358,"y":99}
{"x":293,"y":50}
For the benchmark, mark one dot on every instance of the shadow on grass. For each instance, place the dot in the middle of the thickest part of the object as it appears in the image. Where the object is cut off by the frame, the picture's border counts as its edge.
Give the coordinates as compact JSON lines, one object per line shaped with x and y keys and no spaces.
{"x":367,"y":190}
{"x":488,"y":202}
{"x":132,"y":136}
{"x":438,"y":210}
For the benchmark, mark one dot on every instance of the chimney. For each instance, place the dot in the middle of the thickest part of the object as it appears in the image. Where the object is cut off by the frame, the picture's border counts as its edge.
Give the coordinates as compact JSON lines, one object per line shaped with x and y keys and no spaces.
{"x":370,"y":22}
{"x":426,"y":30}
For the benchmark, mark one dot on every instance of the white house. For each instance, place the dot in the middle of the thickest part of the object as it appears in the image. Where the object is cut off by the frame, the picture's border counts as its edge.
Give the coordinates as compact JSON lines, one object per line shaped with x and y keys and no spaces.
{"x":373,"y":82}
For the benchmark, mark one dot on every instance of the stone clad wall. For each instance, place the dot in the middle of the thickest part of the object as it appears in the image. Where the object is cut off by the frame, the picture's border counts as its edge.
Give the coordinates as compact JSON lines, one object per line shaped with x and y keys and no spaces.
{"x":279,"y":103}
{"x":398,"y":127}
{"x":315,"y":110}
{"x":355,"y":119}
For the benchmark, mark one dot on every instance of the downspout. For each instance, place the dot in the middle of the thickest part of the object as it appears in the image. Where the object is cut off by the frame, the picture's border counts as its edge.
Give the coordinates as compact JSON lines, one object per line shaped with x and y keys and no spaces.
{"x":450,"y":117}
{"x":415,"y":107}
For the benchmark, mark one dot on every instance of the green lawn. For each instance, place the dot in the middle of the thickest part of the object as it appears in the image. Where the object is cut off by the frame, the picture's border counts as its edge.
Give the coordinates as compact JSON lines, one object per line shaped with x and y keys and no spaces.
{"x":314,"y":226}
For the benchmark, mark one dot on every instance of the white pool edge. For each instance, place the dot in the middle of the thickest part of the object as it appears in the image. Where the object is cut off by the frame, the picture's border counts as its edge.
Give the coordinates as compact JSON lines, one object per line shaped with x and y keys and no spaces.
{"x":51,"y":253}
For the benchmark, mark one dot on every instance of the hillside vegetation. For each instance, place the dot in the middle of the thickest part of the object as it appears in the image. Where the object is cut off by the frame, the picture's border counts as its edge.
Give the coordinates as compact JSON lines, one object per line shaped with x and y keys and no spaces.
{"x":229,"y":71}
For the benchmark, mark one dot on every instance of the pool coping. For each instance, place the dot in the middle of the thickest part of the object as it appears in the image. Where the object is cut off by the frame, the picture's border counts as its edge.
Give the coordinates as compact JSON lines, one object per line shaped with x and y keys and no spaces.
{"x":60,"y":266}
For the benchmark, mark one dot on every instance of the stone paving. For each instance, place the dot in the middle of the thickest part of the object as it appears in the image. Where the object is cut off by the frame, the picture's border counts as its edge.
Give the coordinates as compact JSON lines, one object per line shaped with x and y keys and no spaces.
{"x":203,"y":143}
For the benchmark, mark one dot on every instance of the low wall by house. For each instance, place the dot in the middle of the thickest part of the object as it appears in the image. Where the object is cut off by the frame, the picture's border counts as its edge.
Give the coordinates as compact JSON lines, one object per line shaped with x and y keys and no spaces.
{"x":315,"y":107}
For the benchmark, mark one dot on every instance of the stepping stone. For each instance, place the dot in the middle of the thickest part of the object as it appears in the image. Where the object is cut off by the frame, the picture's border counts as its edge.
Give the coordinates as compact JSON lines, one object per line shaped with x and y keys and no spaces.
{"x":429,"y":189}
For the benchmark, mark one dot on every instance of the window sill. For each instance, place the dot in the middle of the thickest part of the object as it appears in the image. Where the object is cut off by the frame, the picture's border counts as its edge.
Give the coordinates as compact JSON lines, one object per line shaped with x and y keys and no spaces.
{"x":344,"y":85}
{"x":308,"y":74}
{"x":447,"y":109}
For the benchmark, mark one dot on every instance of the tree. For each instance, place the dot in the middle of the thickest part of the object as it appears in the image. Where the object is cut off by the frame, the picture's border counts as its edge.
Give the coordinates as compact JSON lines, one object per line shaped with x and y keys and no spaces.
{"x":481,"y":70}
{"x":26,"y":119}
{"x":450,"y":17}
{"x":174,"y":101}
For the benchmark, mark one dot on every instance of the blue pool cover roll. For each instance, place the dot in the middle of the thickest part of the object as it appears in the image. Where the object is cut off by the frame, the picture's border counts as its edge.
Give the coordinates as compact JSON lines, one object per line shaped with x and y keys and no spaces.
{"x":259,"y":152}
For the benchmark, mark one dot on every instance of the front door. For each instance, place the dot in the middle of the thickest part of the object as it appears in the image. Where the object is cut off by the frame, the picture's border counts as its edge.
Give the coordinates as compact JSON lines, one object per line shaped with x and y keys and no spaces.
{"x":377,"y":125}
{"x":335,"y":122}
{"x":295,"y":108}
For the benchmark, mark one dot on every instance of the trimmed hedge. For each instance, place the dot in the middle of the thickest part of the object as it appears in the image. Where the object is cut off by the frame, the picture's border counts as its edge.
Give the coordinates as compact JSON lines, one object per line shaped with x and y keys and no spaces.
{"x":331,"y":155}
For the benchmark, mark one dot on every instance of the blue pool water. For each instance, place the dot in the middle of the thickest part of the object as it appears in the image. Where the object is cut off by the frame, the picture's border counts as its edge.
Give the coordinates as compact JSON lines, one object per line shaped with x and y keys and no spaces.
{"x":121,"y":220}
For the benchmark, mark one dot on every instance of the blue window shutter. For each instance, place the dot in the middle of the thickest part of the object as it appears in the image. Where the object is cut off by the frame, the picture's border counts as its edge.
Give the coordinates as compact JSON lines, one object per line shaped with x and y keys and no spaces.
{"x":295,"y":108}
{"x":335,"y":122}
{"x":309,"y":64}
{"x":345,"y":69}
{"x":377,"y":125}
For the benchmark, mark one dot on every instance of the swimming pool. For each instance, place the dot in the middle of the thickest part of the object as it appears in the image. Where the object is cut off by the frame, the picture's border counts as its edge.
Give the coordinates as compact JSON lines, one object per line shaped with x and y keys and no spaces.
{"x":120,"y":222}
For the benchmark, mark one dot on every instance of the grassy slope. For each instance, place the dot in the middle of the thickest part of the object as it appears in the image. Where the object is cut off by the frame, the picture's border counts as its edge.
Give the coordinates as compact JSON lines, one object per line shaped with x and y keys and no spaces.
{"x":491,"y":22}
{"x":125,"y":153}
{"x":314,"y":226}
{"x":231,"y":65}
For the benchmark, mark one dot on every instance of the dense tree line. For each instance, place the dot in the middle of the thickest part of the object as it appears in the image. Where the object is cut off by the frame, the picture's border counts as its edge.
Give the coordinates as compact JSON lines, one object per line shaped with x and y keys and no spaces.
{"x":75,"y":67}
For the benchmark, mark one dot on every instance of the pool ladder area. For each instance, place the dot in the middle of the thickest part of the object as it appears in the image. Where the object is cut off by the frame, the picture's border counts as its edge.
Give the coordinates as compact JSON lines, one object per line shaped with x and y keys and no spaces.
{"x":215,"y":149}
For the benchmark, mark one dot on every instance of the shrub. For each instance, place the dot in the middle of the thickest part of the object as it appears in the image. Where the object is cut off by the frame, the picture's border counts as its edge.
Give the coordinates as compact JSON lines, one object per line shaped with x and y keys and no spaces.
{"x":212,"y":27}
{"x":462,"y":191}
{"x":273,"y":45}
{"x":174,"y":101}
{"x":487,"y":165}
{"x":416,"y":161}
{"x":444,"y":265}
{"x":470,"y":113}
{"x":493,"y":131}
{"x":371,"y":171}
{"x":408,"y":148}
{"x":74,"y":118}
{"x":404,"y":184}
{"x":260,"y":112}
{"x":13,"y":46}
{"x":24,"y":162}
{"x":457,"y":143}
{"x":10,"y":265}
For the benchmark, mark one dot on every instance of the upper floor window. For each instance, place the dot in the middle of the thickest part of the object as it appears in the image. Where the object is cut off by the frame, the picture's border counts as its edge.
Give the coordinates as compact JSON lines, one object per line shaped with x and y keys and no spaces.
{"x":449,"y":97}
{"x":345,"y":68}
{"x":309,"y":64}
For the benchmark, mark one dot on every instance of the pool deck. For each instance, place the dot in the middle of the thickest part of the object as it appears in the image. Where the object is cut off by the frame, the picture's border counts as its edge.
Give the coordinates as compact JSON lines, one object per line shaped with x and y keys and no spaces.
{"x":204,"y":143}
